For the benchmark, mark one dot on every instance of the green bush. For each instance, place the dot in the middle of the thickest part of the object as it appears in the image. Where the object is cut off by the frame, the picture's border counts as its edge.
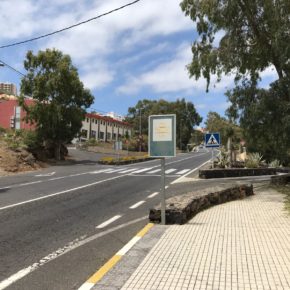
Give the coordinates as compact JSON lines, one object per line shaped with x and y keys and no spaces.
{"x":92,"y":142}
{"x":254,"y":160}
{"x":31,"y":140}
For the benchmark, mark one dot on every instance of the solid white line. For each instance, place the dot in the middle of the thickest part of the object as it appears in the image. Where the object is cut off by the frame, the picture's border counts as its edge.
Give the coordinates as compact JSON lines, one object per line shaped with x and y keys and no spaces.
{"x":87,"y":286}
{"x":141,"y":170}
{"x":183,"y":171}
{"x":176,"y":180}
{"x":21,"y":184}
{"x":153,"y":194}
{"x":62,"y":251}
{"x":106,"y":223}
{"x":20,"y":274}
{"x":128,"y":246}
{"x":154,"y":171}
{"x":137,"y":204}
{"x":61,"y":192}
{"x":170,"y":170}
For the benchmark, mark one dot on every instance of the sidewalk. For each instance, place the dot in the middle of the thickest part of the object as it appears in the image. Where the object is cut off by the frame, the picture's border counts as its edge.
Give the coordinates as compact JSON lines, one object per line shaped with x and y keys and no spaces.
{"x":243,"y":244}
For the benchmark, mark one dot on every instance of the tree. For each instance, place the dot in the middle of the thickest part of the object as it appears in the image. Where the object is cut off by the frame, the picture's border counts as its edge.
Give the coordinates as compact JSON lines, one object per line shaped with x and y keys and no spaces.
{"x":186,"y":117}
{"x":265,"y":117}
{"x":60,"y":97}
{"x":255,"y":36}
{"x":227,"y":129}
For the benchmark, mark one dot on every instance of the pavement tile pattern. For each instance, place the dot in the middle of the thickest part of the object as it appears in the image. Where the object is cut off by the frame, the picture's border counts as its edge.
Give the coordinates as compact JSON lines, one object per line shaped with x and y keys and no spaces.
{"x":243,"y":244}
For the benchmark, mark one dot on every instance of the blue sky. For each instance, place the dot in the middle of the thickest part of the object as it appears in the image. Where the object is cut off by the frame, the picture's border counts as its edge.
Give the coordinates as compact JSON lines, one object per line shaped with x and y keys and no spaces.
{"x":136,"y":53}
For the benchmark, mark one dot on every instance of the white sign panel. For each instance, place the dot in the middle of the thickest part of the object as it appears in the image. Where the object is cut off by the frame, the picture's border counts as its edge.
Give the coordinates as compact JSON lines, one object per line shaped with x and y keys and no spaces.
{"x":162,"y":130}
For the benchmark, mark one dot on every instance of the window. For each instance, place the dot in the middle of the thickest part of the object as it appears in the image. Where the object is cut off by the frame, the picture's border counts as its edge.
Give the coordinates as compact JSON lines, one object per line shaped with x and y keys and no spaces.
{"x":102,"y":135}
{"x":87,"y":120}
{"x":93,"y":134}
{"x":108,"y":136}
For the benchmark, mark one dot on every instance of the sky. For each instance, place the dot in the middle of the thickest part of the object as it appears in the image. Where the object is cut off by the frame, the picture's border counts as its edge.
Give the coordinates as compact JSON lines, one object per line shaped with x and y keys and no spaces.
{"x":139,"y":52}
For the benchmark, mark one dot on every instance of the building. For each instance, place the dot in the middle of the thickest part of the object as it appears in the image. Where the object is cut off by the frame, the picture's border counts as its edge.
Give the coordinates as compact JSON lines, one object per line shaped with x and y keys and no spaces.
{"x":8,"y":88}
{"x":94,"y":126}
{"x":104,"y":128}
{"x":11,"y":114}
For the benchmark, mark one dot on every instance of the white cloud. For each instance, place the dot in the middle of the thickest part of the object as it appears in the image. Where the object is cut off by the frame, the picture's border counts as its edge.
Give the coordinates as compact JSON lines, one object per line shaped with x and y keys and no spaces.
{"x":172,"y":76}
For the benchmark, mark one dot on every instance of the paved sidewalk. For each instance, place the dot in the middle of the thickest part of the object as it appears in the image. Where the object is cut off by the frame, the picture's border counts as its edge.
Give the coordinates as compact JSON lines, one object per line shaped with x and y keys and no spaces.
{"x":243,"y":244}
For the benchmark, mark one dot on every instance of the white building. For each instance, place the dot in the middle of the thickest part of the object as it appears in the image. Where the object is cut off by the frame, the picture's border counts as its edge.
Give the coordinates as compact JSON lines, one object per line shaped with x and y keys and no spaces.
{"x":104,"y":128}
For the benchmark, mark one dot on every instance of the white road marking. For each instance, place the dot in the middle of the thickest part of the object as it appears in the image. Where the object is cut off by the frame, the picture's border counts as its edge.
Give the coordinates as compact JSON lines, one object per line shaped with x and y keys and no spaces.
{"x":12,"y":279}
{"x":128,"y":170}
{"x":106,"y":223}
{"x":170,"y":170}
{"x":21,"y":184}
{"x":154,"y":171}
{"x":59,"y":193}
{"x":153,"y":194}
{"x":141,"y":170}
{"x":166,"y":186}
{"x":112,"y":170}
{"x":87,"y":286}
{"x":137,"y":204}
{"x":45,"y":174}
{"x":128,"y":246}
{"x":62,"y":251}
{"x":178,"y":179}
{"x":183,"y":171}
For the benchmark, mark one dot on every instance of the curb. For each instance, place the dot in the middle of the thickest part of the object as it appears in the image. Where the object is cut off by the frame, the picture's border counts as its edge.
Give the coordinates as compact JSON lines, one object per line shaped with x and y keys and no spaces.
{"x":95,"y":278}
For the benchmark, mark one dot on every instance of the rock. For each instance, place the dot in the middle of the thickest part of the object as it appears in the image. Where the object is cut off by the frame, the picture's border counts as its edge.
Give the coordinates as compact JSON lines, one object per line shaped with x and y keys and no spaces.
{"x":180,"y":209}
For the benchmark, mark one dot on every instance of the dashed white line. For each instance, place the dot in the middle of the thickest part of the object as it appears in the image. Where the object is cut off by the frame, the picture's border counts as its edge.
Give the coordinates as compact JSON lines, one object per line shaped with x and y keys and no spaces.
{"x":141,"y":170}
{"x":154,"y":171}
{"x":153,"y":194}
{"x":183,"y":171}
{"x":106,"y":223}
{"x":137,"y":204}
{"x":166,"y":186}
{"x":128,"y":170}
{"x":169,"y":170}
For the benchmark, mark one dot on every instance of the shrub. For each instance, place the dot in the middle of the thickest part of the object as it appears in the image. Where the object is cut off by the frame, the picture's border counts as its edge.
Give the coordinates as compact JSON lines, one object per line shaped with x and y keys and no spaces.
{"x":92,"y":142}
{"x":275,"y":163}
{"x":223,"y":159}
{"x":253,"y":160}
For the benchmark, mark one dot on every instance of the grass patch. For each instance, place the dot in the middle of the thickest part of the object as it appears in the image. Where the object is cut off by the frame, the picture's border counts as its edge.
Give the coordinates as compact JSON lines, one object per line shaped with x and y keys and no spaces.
{"x":285,"y":190}
{"x":123,"y":160}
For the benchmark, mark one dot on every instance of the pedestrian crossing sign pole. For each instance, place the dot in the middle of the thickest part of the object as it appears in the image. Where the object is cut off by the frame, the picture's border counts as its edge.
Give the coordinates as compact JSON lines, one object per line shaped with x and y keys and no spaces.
{"x":161,"y":144}
{"x":212,"y":140}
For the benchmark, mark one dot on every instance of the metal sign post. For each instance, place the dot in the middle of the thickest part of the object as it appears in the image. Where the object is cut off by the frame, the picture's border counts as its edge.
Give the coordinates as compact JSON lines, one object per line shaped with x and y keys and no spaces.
{"x":161,"y":144}
{"x":163,"y":203}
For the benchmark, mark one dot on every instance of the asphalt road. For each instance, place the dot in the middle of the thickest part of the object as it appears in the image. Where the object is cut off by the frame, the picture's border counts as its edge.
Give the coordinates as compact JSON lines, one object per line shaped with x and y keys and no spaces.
{"x":59,"y":225}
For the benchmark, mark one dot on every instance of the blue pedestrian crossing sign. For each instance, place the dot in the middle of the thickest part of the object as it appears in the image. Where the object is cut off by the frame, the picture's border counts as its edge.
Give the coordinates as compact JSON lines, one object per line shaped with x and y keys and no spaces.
{"x":212,"y":140}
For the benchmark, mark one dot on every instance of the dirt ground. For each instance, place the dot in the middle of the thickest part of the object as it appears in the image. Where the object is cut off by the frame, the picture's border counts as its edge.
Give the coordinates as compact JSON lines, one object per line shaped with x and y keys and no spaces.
{"x":16,"y":161}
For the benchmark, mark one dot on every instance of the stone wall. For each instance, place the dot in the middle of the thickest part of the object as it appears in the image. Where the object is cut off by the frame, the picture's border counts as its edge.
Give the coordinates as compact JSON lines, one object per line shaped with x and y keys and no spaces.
{"x":235,"y":172}
{"x":280,"y":179}
{"x":180,"y":209}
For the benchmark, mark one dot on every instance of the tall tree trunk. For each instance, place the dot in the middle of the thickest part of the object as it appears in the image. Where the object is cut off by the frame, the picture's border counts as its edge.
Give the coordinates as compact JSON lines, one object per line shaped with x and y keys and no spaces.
{"x":57,"y":151}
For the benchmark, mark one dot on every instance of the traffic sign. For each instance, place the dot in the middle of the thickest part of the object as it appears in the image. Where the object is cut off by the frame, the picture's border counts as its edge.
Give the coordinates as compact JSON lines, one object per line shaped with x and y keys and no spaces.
{"x":212,"y":140}
{"x":162,"y":136}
